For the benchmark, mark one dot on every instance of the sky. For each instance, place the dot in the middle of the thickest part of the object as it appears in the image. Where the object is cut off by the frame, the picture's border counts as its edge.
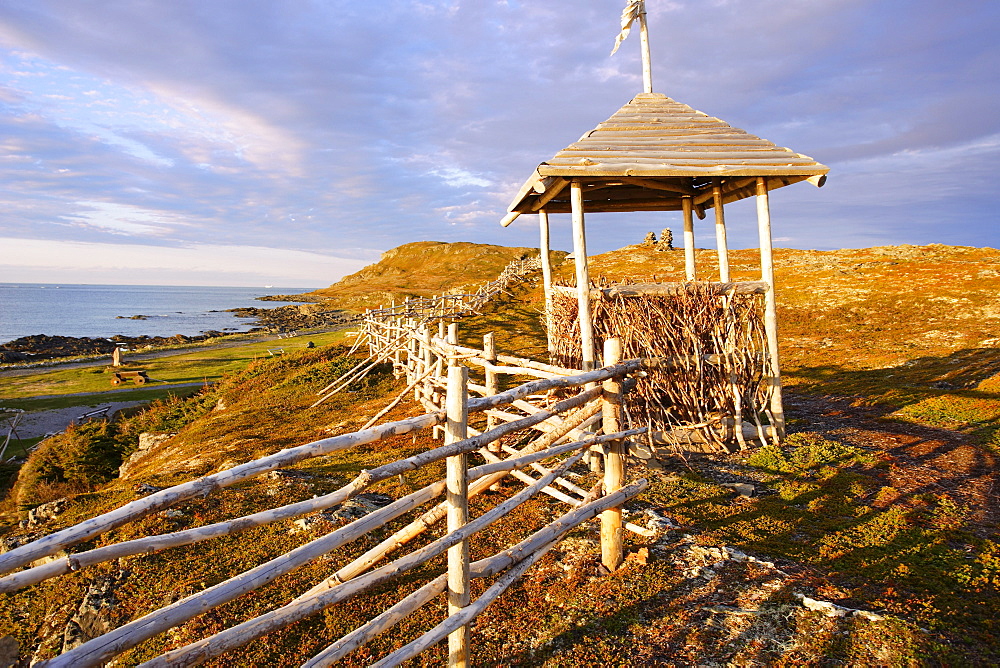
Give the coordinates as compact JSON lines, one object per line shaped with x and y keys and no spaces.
{"x":290,"y":142}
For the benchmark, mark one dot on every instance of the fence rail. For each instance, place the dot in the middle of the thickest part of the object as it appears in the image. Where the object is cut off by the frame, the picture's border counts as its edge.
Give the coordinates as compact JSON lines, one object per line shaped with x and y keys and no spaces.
{"x":568,"y":415}
{"x":560,"y":409}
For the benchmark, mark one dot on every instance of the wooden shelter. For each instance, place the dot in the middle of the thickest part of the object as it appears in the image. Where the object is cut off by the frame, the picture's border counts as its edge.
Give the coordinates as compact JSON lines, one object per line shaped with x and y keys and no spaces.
{"x":656,"y":154}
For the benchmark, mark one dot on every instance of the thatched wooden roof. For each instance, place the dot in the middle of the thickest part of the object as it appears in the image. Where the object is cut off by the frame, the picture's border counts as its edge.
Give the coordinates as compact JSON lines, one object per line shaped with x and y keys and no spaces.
{"x":651,"y":153}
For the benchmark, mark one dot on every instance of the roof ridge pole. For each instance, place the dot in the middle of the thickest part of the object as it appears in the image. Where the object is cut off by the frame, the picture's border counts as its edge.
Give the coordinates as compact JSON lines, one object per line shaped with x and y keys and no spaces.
{"x":770,"y":307}
{"x":582,"y":277}
{"x":647,"y":74}
{"x":690,"y":271}
{"x":721,"y":243}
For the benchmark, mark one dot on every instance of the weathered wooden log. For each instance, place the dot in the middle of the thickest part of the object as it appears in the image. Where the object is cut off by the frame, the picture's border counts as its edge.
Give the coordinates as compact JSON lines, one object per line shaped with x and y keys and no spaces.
{"x":458,"y":509}
{"x":474,"y":354}
{"x":359,"y":370}
{"x":460,"y":619}
{"x":360,"y":338}
{"x":671,"y":289}
{"x":539,"y":468}
{"x":203,"y":486}
{"x":528,"y":480}
{"x":161,"y":542}
{"x":95,"y":652}
{"x":428,"y":519}
{"x":395,"y":402}
{"x":584,"y":318}
{"x":527,"y":459}
{"x":770,"y":307}
{"x":360,"y":636}
{"x":173,"y":495}
{"x":690,"y":268}
{"x":549,"y":535}
{"x":612,"y":552}
{"x":304,"y":606}
{"x":721,"y":243}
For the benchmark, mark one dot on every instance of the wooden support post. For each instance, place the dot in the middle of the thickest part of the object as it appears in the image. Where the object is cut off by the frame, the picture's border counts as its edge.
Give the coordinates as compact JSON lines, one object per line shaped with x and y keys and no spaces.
{"x":442,"y":329}
{"x":582,"y":277}
{"x":412,"y":359}
{"x":721,"y":244}
{"x":612,"y":553}
{"x":457,"y":486}
{"x":492,"y":382}
{"x":647,"y":75}
{"x":770,"y":306}
{"x":543,"y":254}
{"x":690,"y":271}
{"x":427,"y":358}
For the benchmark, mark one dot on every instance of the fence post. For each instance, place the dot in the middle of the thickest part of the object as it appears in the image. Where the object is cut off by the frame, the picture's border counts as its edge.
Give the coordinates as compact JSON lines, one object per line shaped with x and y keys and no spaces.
{"x":614,"y":462}
{"x":428,"y":359}
{"x":492,"y":384}
{"x":457,"y":486}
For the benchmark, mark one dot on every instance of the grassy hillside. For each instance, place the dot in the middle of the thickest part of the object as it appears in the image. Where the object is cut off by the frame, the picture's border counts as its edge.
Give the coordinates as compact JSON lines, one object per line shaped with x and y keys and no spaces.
{"x":420,"y":269}
{"x":884,"y":498}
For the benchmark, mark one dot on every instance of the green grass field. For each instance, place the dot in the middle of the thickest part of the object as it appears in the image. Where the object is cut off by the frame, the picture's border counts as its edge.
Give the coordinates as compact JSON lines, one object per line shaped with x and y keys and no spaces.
{"x":92,"y":384}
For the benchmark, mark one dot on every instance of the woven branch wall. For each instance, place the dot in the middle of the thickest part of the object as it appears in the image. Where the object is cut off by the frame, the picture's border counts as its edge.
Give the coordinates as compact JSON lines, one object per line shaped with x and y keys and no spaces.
{"x":716,"y":367}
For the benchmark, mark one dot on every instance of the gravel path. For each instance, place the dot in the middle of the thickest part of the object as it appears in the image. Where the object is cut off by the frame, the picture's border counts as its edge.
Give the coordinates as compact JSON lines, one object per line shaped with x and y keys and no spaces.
{"x":40,"y":423}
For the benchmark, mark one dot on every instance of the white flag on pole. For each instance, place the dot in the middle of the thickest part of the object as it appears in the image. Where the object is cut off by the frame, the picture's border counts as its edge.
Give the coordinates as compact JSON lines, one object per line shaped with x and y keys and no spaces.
{"x":629,"y":14}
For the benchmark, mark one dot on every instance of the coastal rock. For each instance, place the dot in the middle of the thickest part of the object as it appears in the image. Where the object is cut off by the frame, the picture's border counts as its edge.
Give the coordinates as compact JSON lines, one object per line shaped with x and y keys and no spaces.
{"x":297,"y":316}
{"x":40,"y":347}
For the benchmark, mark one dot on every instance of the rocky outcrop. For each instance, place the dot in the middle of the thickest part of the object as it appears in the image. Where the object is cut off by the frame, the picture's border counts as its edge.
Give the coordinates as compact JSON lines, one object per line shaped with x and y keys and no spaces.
{"x":147,"y":441}
{"x":95,"y":616}
{"x":42,"y":347}
{"x":44,"y":513}
{"x":296,"y":316}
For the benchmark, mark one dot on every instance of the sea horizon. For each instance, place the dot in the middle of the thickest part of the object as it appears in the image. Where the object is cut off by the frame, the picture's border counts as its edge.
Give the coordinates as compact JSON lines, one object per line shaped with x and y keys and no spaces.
{"x":99,"y":310}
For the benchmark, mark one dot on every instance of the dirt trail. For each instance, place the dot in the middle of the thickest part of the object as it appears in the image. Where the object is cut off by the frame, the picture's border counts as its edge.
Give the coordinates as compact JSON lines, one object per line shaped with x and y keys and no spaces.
{"x":40,"y":423}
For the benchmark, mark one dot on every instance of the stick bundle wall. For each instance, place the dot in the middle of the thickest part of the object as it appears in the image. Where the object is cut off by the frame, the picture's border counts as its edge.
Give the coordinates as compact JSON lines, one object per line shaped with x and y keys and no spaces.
{"x":711,"y":385}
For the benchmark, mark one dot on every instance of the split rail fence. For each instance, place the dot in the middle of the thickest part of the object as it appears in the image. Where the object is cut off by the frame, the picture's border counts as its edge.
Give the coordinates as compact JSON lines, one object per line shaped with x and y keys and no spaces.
{"x":459,"y":305}
{"x":437,"y":368}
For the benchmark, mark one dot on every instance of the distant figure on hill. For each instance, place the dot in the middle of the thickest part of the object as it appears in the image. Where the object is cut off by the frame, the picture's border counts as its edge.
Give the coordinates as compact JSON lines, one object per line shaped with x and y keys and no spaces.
{"x":650,"y":239}
{"x":116,"y":357}
{"x":666,"y":240}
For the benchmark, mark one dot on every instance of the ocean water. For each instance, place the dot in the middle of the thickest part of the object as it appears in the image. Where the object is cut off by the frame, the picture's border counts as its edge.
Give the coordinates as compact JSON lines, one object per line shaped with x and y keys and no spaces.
{"x":92,"y":310}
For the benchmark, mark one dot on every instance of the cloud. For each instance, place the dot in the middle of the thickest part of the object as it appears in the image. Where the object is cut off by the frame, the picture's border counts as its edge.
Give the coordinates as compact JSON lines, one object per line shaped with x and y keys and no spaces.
{"x":328,"y":126}
{"x":36,"y":261}
{"x":124,"y":219}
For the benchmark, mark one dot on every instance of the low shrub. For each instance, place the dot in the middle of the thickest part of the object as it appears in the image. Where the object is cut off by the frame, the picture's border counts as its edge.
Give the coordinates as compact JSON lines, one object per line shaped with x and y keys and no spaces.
{"x":78,"y":459}
{"x":805,"y":452}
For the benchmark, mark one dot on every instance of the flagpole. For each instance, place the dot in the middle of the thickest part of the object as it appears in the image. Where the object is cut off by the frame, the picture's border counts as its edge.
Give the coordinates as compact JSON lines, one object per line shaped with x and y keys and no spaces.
{"x":647,"y":75}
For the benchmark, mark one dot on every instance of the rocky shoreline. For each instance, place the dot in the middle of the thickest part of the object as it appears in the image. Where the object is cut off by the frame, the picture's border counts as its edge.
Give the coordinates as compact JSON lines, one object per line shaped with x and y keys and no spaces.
{"x":296,"y":316}
{"x":40,"y":347}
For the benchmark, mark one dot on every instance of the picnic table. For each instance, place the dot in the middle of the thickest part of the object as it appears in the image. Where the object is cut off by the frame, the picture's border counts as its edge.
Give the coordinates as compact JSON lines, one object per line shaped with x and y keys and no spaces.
{"x":137,"y":377}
